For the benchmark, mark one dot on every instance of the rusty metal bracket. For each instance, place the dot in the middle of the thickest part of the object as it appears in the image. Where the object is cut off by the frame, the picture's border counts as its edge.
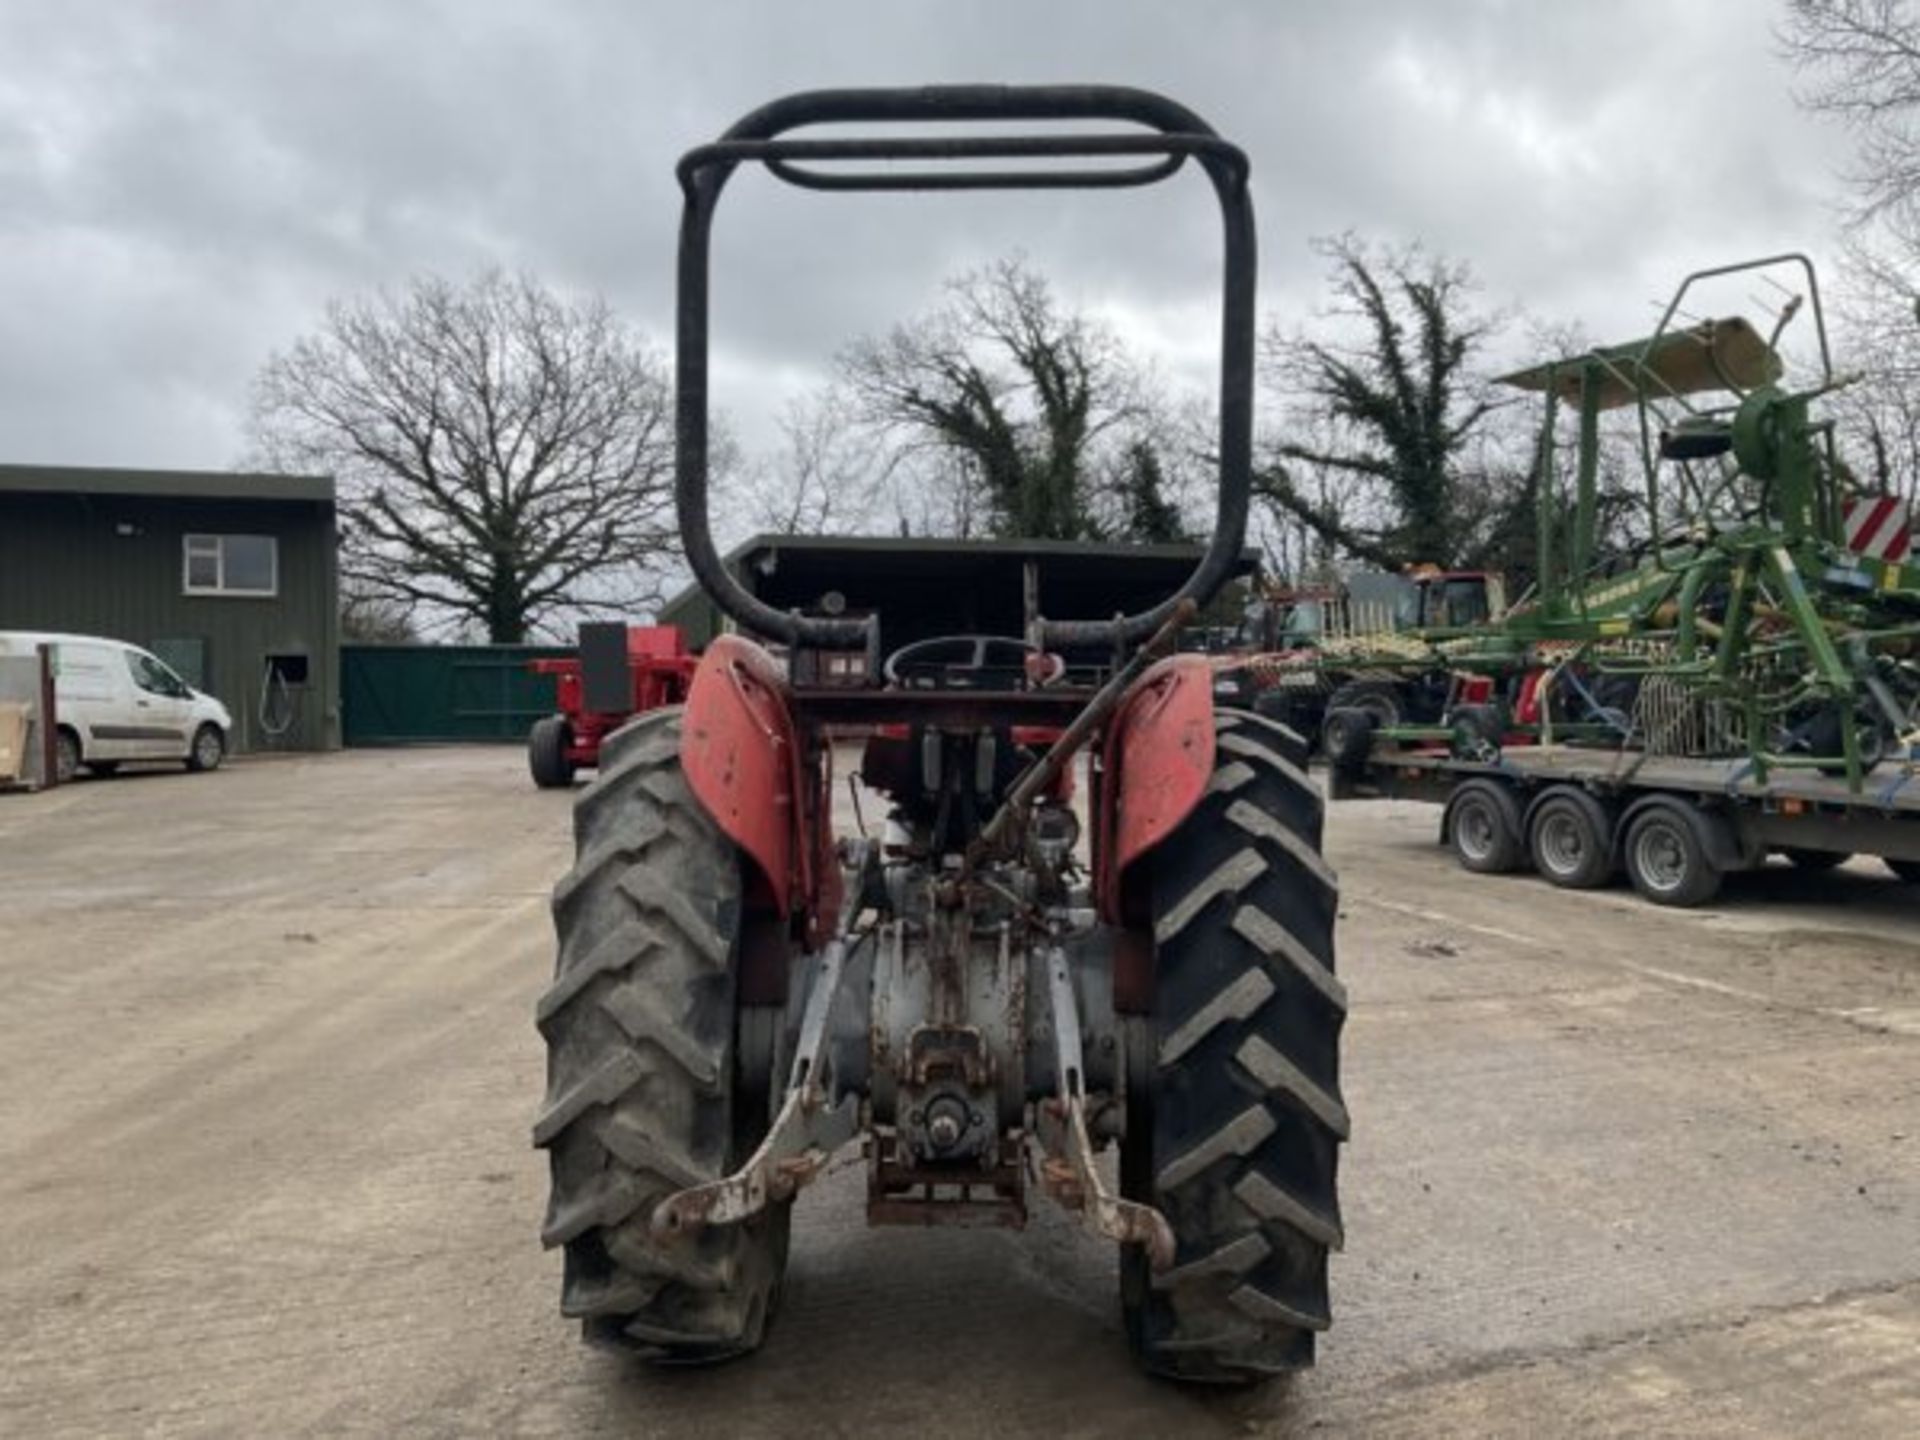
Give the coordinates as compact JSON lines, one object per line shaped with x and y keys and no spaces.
{"x":1069,"y":1173}
{"x":810,"y":1125}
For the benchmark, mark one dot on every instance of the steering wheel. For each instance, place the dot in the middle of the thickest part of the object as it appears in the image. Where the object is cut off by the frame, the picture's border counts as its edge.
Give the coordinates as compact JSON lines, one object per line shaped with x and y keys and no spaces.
{"x":968,"y":662}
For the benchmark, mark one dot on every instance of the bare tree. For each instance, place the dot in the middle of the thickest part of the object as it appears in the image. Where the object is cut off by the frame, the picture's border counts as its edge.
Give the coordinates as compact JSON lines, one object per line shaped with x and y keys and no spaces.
{"x":1041,"y":409}
{"x":1879,"y":414}
{"x":827,"y":479}
{"x":1382,"y":409}
{"x":1860,"y":62}
{"x":374,"y":619}
{"x":503,"y":455}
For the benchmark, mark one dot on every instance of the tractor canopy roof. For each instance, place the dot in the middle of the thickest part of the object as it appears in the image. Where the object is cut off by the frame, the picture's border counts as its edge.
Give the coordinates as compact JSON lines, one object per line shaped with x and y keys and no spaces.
{"x":1726,"y":354}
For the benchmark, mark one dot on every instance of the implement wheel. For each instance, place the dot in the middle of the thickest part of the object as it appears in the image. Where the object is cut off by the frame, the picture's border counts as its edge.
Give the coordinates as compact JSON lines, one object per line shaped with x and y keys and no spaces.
{"x":547,"y":753}
{"x":647,"y":1088}
{"x":1346,"y":736}
{"x":1234,"y":1117}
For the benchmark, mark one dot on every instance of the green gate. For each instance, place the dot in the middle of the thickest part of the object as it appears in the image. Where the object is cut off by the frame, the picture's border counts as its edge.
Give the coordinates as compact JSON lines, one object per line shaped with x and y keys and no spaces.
{"x":441,"y":694}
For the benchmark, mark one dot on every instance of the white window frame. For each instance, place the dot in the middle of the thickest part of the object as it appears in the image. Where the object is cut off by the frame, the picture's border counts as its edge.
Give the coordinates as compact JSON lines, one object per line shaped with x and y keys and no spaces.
{"x":216,"y":546}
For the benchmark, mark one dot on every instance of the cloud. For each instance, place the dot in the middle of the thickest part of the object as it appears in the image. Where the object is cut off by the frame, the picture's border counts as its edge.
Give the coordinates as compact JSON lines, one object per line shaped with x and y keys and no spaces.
{"x":182,"y":188}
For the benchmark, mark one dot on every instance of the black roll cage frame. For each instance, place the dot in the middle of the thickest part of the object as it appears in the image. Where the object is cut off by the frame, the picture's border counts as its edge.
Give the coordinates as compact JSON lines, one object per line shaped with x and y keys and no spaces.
{"x":1172,"y":135}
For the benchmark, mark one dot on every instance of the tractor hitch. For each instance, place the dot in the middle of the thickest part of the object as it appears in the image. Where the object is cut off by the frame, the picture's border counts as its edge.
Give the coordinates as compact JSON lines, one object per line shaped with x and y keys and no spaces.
{"x":812,"y":1122}
{"x":1068,"y":1172}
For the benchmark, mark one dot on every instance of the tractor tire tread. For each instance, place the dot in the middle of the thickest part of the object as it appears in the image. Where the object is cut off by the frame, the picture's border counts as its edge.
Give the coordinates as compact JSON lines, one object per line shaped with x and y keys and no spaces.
{"x":1246,"y":1111}
{"x":639,"y":1024}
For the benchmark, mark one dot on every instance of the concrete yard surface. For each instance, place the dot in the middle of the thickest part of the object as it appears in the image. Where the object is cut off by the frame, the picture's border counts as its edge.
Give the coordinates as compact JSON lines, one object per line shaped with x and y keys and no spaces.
{"x":268,"y":1067}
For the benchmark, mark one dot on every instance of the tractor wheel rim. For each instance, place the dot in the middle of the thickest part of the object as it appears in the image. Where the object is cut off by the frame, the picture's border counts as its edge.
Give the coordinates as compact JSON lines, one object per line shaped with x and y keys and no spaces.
{"x":1659,"y":857}
{"x":1563,"y":846}
{"x":1475,"y":824}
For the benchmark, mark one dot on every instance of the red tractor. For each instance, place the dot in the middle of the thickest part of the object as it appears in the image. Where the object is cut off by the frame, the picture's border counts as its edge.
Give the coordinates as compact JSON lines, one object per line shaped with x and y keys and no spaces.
{"x":978,"y":998}
{"x":619,"y":671}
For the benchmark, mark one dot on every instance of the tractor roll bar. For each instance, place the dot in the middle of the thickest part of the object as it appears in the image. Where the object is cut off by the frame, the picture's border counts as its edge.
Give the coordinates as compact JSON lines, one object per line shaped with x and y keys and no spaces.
{"x":1173,"y":135}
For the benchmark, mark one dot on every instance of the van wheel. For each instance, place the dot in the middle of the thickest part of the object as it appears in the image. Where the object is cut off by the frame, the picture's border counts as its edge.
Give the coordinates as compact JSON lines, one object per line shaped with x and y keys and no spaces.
{"x":66,"y":756}
{"x":209,"y":748}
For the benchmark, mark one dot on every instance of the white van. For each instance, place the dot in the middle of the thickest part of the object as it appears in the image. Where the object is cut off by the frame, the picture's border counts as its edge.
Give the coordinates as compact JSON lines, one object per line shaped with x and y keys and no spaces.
{"x":114,"y":702}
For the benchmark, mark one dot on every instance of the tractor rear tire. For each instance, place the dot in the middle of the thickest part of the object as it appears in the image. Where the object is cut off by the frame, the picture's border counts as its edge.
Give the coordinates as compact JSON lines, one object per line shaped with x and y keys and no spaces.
{"x":547,"y":753}
{"x":1234,"y":1115}
{"x":645,"y":1093}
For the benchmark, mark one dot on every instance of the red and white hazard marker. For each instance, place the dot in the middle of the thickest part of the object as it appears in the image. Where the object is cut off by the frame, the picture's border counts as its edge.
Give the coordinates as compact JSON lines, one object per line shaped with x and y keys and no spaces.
{"x":1880,"y":527}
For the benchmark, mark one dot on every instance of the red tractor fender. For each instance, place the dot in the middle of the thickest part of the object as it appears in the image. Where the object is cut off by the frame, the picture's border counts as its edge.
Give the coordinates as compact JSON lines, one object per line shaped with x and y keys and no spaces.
{"x":1155,"y":764}
{"x":743,"y":762}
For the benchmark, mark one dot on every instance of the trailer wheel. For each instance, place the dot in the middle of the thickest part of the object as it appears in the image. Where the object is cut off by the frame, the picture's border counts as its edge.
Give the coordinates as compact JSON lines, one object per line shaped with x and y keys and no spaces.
{"x":547,"y":753}
{"x":645,"y":1093}
{"x":1815,"y":860}
{"x":1234,"y":1115}
{"x":1570,"y":837}
{"x":1482,"y":822}
{"x":1667,"y":857}
{"x":1907,"y":870}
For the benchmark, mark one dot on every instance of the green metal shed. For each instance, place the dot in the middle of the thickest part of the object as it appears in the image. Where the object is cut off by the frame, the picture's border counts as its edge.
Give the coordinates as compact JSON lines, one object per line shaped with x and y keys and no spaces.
{"x":229,"y":577}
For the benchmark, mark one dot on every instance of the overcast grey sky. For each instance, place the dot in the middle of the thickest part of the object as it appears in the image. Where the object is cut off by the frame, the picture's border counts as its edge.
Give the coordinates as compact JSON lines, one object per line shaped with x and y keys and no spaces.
{"x":184,"y":185}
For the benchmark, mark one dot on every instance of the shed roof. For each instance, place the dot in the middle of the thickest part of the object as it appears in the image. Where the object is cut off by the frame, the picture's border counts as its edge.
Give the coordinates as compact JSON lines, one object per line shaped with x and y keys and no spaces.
{"x":164,"y":484}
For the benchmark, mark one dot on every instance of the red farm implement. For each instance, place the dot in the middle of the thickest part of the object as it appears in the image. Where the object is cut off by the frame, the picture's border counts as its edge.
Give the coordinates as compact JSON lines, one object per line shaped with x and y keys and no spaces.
{"x":619,"y":671}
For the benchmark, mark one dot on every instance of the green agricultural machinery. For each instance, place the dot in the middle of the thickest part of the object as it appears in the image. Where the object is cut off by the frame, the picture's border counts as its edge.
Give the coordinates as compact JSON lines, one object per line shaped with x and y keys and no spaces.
{"x":1769,"y":611}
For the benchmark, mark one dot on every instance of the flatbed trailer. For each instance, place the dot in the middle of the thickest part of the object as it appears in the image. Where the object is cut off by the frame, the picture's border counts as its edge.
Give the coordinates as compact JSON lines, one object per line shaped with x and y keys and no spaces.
{"x":1579,"y":814}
